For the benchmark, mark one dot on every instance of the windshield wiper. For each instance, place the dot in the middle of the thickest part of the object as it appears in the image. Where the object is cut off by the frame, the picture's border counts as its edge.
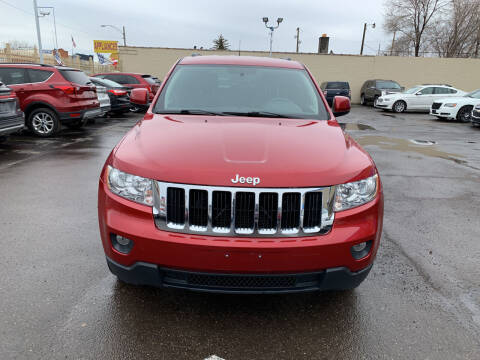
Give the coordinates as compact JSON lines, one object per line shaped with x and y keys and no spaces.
{"x":190,"y":112}
{"x":259,"y":114}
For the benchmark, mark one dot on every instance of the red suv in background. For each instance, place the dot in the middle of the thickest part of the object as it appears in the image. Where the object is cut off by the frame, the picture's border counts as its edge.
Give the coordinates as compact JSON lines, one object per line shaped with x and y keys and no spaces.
{"x":134,"y":81}
{"x":51,"y":96}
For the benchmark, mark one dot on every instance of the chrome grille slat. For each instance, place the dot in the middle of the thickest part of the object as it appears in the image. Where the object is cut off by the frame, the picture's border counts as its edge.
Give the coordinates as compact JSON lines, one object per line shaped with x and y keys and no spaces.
{"x":290,"y":204}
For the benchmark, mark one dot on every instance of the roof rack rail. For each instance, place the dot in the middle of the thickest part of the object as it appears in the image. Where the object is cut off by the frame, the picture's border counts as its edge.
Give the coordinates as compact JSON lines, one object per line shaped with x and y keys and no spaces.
{"x":437,"y":85}
{"x":25,"y":63}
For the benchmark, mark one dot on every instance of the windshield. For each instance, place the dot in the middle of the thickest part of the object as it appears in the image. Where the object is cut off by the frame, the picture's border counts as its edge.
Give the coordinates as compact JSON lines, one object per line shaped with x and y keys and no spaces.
{"x":474,"y":94}
{"x":388,"y":85}
{"x":241,"y":90}
{"x":413,"y":90}
{"x":149,"y":79}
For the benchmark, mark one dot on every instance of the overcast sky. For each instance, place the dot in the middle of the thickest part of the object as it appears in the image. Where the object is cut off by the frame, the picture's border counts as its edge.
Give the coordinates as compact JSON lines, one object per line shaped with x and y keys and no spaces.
{"x":185,"y":23}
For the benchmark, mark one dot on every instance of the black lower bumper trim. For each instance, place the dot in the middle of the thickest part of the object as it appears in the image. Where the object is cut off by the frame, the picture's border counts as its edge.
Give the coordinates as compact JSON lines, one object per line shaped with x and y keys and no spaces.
{"x":142,"y":273}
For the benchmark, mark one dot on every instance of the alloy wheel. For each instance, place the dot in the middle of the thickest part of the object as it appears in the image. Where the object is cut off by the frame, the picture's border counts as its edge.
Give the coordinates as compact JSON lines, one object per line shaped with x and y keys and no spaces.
{"x":43,"y":123}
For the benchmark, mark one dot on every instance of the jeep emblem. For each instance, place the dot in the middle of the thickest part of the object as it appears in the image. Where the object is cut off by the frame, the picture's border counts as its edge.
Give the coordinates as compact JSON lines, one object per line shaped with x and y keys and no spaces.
{"x":249,"y":180}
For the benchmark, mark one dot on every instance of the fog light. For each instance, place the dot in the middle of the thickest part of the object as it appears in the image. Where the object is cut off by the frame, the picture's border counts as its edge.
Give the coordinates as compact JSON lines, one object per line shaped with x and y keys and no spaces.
{"x":359,"y":251}
{"x":121,"y":244}
{"x":359,"y":247}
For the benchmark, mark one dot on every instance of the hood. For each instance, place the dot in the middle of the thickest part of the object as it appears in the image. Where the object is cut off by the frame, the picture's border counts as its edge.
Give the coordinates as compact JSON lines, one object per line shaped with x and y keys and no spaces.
{"x":212,"y":150}
{"x":457,"y":99}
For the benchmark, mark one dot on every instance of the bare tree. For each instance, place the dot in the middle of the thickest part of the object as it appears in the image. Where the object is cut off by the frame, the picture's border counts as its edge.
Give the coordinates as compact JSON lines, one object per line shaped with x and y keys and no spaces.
{"x":457,"y":34}
{"x":412,"y":18}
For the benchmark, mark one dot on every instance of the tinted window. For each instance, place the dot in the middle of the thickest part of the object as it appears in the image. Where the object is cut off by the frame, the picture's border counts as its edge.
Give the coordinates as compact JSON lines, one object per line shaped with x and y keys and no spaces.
{"x":75,"y":76}
{"x":38,"y":75}
{"x":131,"y":80}
{"x":12,"y":76}
{"x":242,"y":89}
{"x":338,"y":85}
{"x":388,"y":85}
{"x":440,"y":90}
{"x":106,"y":83}
{"x":122,"y":79}
{"x":427,"y":91}
{"x":452,"y":91}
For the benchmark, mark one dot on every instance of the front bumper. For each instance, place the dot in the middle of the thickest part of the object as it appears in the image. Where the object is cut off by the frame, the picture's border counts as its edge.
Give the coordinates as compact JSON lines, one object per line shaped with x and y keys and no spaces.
{"x":386,"y":105}
{"x":474,"y":118}
{"x":191,"y":253}
{"x":142,"y":273}
{"x":446,"y":113}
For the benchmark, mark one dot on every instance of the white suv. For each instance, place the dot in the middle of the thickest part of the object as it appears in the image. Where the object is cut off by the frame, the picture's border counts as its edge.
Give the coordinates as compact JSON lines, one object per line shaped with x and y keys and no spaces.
{"x":456,"y":108}
{"x":418,"y":98}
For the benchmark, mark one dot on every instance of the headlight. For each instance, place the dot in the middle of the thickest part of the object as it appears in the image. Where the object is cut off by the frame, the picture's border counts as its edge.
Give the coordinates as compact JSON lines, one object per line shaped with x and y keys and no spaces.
{"x":450,"y":105}
{"x":355,"y":193}
{"x":131,"y":187}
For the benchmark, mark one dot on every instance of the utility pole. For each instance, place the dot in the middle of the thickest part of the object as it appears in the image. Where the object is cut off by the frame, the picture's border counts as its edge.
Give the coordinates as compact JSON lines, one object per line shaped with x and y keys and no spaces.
{"x":39,"y":36}
{"x":393,"y":42}
{"x":122,"y":31}
{"x":271,"y":28}
{"x":363,"y":38}
{"x":124,"y":37}
{"x":298,"y":38}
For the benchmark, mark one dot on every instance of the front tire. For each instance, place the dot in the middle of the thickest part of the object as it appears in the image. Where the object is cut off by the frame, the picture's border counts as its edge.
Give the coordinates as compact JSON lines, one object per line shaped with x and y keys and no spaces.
{"x":399,"y":107}
{"x":362,"y":100}
{"x":43,"y":122}
{"x":463,"y":114}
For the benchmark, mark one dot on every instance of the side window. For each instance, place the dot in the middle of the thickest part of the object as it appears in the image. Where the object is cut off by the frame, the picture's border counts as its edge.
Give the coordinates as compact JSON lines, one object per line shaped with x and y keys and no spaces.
{"x":12,"y":76}
{"x":116,"y":78}
{"x":439,"y":91}
{"x":452,"y":91}
{"x":38,"y":75}
{"x":427,"y":91}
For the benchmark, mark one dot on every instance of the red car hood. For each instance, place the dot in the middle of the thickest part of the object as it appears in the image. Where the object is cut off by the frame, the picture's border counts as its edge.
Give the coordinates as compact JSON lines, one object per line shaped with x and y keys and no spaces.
{"x":212,"y":150}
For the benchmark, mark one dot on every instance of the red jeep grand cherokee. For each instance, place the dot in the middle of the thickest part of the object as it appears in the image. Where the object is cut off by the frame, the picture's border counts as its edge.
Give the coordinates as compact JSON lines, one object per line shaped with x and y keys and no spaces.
{"x":239,"y":179}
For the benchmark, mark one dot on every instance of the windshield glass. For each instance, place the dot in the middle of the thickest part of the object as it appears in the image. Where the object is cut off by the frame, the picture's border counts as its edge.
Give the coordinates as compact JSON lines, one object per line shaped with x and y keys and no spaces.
{"x":242,"y":90}
{"x":388,"y":85}
{"x":412,"y":90}
{"x":474,"y":94}
{"x":149,"y":79}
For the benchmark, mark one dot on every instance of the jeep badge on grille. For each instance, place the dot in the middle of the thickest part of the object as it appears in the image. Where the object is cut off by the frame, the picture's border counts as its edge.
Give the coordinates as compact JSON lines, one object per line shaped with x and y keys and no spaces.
{"x":249,"y":180}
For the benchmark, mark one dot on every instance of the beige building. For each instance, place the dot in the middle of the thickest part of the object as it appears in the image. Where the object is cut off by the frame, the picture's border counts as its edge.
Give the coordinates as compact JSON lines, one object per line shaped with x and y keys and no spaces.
{"x":408,"y":71}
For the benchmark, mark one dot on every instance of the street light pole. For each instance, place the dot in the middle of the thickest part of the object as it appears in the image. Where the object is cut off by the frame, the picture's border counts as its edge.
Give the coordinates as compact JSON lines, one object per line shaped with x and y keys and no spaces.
{"x":54,"y":21}
{"x":39,"y":36}
{"x":363,"y":38}
{"x":122,"y":31}
{"x":271,"y":28}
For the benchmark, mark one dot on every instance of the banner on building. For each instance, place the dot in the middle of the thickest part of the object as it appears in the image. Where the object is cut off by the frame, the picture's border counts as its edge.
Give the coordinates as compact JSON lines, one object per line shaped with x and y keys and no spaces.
{"x":105,"y":46}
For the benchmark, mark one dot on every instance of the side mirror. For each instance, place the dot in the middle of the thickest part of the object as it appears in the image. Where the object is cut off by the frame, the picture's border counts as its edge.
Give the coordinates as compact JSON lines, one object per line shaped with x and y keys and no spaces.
{"x":418,"y":93}
{"x":139,"y":97}
{"x":341,"y":106}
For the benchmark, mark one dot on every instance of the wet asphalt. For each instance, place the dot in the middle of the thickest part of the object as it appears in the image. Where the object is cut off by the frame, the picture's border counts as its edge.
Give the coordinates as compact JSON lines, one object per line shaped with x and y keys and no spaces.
{"x":421,"y":300}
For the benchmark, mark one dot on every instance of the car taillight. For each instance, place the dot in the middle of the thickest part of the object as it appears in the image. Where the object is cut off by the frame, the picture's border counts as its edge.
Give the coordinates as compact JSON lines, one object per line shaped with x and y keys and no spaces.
{"x":117,"y":92}
{"x":69,"y":90}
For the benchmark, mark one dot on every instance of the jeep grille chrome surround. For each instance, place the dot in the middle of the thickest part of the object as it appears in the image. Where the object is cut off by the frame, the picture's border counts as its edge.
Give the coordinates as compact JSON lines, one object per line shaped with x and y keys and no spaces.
{"x":245,"y":203}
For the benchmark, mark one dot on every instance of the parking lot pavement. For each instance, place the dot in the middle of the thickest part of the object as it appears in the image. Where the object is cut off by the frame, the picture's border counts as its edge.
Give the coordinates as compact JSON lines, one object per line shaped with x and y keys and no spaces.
{"x":421,"y":300}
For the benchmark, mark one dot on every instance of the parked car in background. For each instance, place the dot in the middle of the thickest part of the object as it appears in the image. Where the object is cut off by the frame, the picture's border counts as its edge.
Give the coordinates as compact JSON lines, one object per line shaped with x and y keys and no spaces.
{"x":133,"y":81}
{"x":103,"y":99}
{"x":51,"y":96}
{"x":456,"y":108}
{"x":373,"y":89}
{"x":11,"y":117}
{"x":118,"y":94}
{"x":335,"y":88}
{"x":475,"y":117}
{"x":417,"y":98}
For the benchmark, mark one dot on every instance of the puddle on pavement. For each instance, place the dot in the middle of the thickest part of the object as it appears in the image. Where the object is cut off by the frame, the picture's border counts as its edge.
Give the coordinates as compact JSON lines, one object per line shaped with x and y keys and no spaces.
{"x":405,"y":145}
{"x":356,"y":126}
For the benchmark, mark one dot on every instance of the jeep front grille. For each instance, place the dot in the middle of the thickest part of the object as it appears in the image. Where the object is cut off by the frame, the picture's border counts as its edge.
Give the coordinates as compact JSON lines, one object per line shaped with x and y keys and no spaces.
{"x":239,"y":211}
{"x":436,"y":106}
